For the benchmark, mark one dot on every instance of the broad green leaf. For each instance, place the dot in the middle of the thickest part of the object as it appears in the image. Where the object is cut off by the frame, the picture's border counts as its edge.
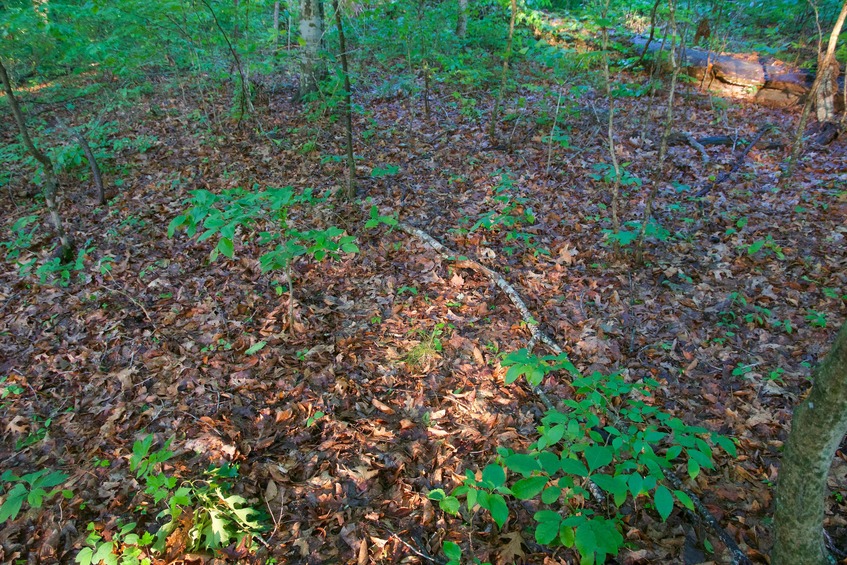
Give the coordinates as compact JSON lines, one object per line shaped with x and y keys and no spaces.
{"x":550,"y":462}
{"x":12,"y":505}
{"x":105,"y":554}
{"x":449,"y":504}
{"x":551,"y":495}
{"x":548,"y":526}
{"x":614,"y":485}
{"x":636,"y":484}
{"x":663,"y":501}
{"x":436,"y":494}
{"x":566,"y":536}
{"x":597,"y":456}
{"x":693,"y":468}
{"x":585,"y":541}
{"x":452,"y":551}
{"x":226,"y":247}
{"x":256,"y":347}
{"x":701,"y":458}
{"x":574,"y":467}
{"x":499,"y":510}
{"x":684,"y":499}
{"x":726,"y":444}
{"x":528,"y":488}
{"x":522,"y":463}
{"x":84,"y":556}
{"x":494,"y":475}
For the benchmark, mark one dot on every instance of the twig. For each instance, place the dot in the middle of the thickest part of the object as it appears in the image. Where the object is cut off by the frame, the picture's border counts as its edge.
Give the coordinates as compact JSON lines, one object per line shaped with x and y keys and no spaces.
{"x":411,"y":547}
{"x":738,"y":162}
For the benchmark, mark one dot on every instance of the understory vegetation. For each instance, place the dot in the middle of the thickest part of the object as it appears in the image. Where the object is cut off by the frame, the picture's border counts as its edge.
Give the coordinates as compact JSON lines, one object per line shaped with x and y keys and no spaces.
{"x":544,"y":320}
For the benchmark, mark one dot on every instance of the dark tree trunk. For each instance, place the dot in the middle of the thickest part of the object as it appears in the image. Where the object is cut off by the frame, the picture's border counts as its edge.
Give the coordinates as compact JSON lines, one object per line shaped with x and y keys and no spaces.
{"x":51,"y":182}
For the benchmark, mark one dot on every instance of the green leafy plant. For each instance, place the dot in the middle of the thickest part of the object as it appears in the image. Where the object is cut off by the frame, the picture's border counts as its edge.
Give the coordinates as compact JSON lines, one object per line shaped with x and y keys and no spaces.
{"x":610,"y":438}
{"x":124,"y":548}
{"x":816,"y":319}
{"x":263,"y":215}
{"x":766,"y":245}
{"x":30,"y":488}
{"x":23,"y":231}
{"x":217,"y":517}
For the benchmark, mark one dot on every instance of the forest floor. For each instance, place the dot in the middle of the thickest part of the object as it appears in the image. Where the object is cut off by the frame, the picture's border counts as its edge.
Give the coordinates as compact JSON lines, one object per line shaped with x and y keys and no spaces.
{"x":399,"y":350}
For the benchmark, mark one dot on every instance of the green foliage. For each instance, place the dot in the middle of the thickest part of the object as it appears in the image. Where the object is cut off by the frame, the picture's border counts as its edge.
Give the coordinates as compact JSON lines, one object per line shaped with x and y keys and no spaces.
{"x":376,"y":219}
{"x":217,"y":517}
{"x":221,"y":215}
{"x":607,"y":174}
{"x":816,"y":319}
{"x":22,"y":235}
{"x":766,"y":245}
{"x":124,"y":548}
{"x":611,"y":437}
{"x":30,"y":488}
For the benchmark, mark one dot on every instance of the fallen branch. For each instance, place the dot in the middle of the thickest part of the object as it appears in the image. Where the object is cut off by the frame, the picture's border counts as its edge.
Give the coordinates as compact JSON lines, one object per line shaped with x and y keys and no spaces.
{"x":738,"y":556}
{"x":727,"y":140}
{"x":738,"y":162}
{"x":698,"y":146}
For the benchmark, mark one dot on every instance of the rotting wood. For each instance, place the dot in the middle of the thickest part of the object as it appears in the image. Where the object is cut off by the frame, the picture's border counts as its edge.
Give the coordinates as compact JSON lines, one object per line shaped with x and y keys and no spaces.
{"x":738,"y":162}
{"x":702,"y":513}
{"x":765,"y":82}
{"x":727,"y":140}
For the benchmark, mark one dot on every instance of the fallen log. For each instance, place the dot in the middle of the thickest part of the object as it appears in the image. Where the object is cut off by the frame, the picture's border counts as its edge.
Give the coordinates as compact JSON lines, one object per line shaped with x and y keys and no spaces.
{"x":763,"y":81}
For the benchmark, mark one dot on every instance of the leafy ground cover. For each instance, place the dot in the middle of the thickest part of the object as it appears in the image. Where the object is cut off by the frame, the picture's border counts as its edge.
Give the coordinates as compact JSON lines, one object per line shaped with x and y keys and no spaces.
{"x":144,"y":377}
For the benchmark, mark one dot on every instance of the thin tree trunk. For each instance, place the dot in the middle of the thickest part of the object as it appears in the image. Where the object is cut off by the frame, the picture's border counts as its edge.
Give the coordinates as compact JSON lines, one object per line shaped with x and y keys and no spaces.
{"x":462,"y":22}
{"x":276,"y":26}
{"x":92,"y":162}
{"x":828,"y":59}
{"x":246,"y":103}
{"x":610,"y":130}
{"x":817,"y":428}
{"x":676,"y":53}
{"x":348,"y":106}
{"x":311,"y":30}
{"x":51,"y":182}
{"x":652,"y":32}
{"x":495,"y":116}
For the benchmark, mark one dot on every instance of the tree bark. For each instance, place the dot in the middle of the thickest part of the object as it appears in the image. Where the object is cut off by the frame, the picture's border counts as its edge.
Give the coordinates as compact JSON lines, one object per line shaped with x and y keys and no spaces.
{"x":51,"y":182}
{"x":827,"y":60}
{"x":311,"y":30}
{"x":462,"y":23}
{"x":817,"y":428}
{"x":276,"y":26}
{"x":348,"y":106}
{"x":495,"y":116}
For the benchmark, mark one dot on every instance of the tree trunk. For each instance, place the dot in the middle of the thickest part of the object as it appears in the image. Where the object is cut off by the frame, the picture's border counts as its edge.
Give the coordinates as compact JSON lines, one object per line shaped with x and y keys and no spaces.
{"x":495,"y":116}
{"x":462,"y":23}
{"x":817,"y":428}
{"x":276,"y":26}
{"x":348,"y":106}
{"x":51,"y":182}
{"x":311,"y":30}
{"x":827,"y":60}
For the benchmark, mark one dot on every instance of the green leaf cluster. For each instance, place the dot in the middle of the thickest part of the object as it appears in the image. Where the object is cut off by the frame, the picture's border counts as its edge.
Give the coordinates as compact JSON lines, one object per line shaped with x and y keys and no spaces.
{"x":31,"y":488}
{"x":610,"y":437}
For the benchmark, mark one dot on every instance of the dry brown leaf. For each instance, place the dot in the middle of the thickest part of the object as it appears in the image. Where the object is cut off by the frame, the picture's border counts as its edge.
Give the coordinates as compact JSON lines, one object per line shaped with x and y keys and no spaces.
{"x":382,"y":406}
{"x":512,"y":550}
